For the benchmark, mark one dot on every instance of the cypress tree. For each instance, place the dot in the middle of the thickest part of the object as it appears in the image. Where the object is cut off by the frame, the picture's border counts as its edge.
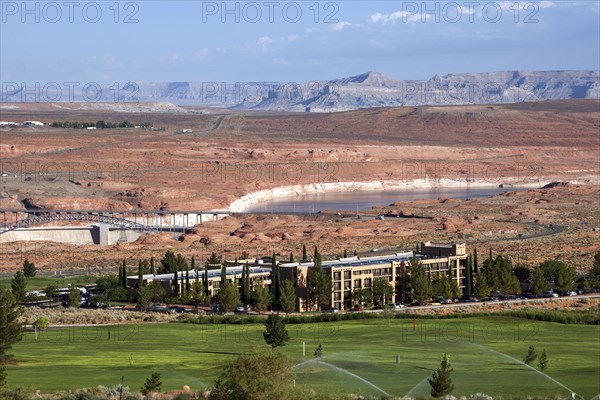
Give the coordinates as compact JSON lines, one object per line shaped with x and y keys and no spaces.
{"x":475,"y":262}
{"x":193,"y":263}
{"x":469,"y":273}
{"x":152,"y":268}
{"x":275,"y":281}
{"x":316,"y":253}
{"x":223,"y":274}
{"x":355,"y":253}
{"x":291,"y":257}
{"x":124,"y":276}
{"x":441,"y":384}
{"x":120,"y":274}
{"x":345,"y":253}
{"x":490,"y":255}
{"x":304,"y":252}
{"x":140,"y":275}
{"x":247,"y":283}
{"x":176,"y":283}
{"x":187,"y":279}
{"x":205,"y":278}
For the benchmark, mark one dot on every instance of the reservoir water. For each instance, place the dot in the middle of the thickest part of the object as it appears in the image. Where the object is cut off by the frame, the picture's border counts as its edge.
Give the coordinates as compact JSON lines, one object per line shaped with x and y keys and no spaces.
{"x":364,"y":200}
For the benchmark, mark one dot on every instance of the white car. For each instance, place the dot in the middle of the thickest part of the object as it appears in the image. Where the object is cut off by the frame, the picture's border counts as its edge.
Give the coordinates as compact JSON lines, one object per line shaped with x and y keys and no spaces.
{"x":571,"y":293}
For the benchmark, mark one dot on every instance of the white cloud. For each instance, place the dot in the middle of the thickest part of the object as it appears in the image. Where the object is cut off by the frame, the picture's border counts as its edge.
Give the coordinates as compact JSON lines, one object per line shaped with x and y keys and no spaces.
{"x":201,"y":54}
{"x":339,"y":26}
{"x":280,"y":61}
{"x":397,"y":16}
{"x":293,"y":38}
{"x":108,"y":59}
{"x":264,"y":42}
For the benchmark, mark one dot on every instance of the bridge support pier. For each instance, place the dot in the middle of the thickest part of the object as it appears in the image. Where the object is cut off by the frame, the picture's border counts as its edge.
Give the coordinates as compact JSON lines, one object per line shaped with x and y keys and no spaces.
{"x":100,"y":234}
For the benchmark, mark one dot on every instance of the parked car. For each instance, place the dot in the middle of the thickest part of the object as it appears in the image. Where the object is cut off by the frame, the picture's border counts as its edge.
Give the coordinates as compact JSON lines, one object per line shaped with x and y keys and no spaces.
{"x":396,"y":306}
{"x":214,"y":307}
{"x":330,"y":310}
{"x":442,"y":300}
{"x":239,"y":309}
{"x":571,"y":293}
{"x":550,"y":294}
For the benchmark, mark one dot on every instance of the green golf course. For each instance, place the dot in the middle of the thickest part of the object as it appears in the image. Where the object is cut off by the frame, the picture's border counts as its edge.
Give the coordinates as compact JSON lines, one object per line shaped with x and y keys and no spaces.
{"x":376,"y":357}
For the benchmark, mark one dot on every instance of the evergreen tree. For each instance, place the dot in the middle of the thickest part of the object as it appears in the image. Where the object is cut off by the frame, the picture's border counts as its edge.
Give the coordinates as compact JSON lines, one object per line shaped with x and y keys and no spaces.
{"x":229,"y":297}
{"x":187,"y":280}
{"x":345,"y":253}
{"x":152,"y":267}
{"x":475,"y":262}
{"x":18,"y":284}
{"x":543,"y":363}
{"x":319,"y":351}
{"x":171,"y":263}
{"x":275,"y":333}
{"x":214,"y":262}
{"x":197,"y":294}
{"x":205,"y":279}
{"x":275,"y":282}
{"x":469,"y":276}
{"x":175,"y":283}
{"x":490,"y":257}
{"x":28,"y":269}
{"x":10,"y":328}
{"x":193,"y":264}
{"x":538,"y":281}
{"x":74,"y":296}
{"x":288,"y":296}
{"x":355,"y":253}
{"x":594,"y":275}
{"x":319,"y":284}
{"x":223,"y":274}
{"x":140,"y":275}
{"x":291,"y":257}
{"x":120,"y":274}
{"x":124,"y":275}
{"x":440,"y":382}
{"x":382,"y":291}
{"x":152,"y":384}
{"x":419,"y":281}
{"x":260,"y":298}
{"x":304,"y":257}
{"x":246,"y":284}
{"x":530,"y":356}
{"x":143,"y":297}
{"x":315,"y":253}
{"x":482,"y":289}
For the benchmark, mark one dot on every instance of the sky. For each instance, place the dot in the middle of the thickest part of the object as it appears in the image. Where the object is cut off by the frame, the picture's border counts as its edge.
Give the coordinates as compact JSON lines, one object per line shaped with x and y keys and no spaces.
{"x":289,"y":41}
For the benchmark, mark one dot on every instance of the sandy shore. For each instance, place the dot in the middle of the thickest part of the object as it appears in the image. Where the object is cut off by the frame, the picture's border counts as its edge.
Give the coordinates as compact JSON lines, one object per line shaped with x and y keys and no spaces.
{"x":251,"y":199}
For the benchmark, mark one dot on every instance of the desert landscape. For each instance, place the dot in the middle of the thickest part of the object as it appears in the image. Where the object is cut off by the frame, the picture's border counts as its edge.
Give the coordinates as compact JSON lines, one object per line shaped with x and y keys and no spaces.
{"x":196,"y":158}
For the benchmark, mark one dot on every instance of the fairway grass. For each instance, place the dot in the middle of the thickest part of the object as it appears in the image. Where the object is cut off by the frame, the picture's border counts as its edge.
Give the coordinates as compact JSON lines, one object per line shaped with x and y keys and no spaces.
{"x":358,"y":356}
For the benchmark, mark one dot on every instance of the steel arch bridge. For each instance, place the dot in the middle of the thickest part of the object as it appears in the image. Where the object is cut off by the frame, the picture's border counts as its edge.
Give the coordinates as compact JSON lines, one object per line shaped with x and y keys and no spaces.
{"x":33,"y":219}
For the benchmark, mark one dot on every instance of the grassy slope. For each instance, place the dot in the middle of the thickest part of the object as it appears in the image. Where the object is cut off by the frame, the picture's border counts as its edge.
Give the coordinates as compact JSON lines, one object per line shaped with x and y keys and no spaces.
{"x":40,"y":282}
{"x":192,"y":355}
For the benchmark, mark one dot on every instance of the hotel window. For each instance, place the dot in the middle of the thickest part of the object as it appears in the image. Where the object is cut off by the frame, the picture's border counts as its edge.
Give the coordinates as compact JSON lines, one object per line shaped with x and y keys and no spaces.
{"x":346,"y":274}
{"x":337,"y":286}
{"x":347,"y":285}
{"x":337,"y":276}
{"x":357,"y":284}
{"x":337,"y":296}
{"x":367,"y":282}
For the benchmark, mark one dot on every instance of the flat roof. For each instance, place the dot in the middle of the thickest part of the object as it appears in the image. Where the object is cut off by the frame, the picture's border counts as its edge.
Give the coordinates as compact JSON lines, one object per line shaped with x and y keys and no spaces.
{"x":212,"y":273}
{"x":357,"y":261}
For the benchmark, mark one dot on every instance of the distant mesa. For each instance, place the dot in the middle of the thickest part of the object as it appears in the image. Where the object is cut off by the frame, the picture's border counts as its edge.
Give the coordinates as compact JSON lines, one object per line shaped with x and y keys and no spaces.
{"x":367,"y":90}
